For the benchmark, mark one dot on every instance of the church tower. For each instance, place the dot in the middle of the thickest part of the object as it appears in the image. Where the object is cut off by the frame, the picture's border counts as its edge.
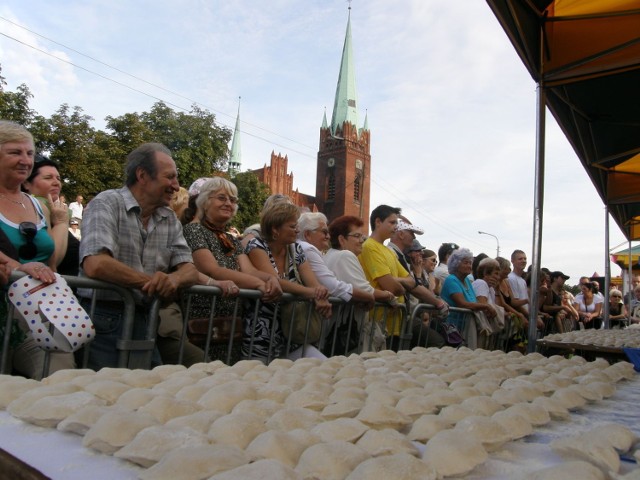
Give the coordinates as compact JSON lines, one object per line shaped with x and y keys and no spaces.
{"x":343,"y":175}
{"x":235,"y":156}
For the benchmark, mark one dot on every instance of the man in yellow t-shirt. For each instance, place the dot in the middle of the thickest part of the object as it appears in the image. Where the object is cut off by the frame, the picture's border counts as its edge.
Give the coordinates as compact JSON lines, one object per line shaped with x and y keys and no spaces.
{"x":383,"y":270}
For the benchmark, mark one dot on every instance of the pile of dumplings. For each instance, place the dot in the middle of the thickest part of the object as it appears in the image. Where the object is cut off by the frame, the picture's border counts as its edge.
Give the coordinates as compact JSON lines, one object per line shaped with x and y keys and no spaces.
{"x":629,"y":337}
{"x":419,"y":414}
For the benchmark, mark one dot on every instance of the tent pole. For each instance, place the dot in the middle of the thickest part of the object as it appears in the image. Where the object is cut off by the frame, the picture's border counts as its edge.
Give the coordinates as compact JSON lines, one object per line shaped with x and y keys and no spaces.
{"x":607,"y":269}
{"x":629,"y":277}
{"x":538,"y":203}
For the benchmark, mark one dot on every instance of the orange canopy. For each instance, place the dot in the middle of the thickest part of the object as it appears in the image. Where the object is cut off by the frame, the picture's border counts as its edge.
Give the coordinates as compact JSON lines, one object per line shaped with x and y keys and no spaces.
{"x":586,"y":55}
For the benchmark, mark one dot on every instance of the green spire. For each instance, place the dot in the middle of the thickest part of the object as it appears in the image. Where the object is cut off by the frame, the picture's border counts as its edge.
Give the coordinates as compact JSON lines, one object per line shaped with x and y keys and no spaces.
{"x":235,"y":158}
{"x":344,"y":108}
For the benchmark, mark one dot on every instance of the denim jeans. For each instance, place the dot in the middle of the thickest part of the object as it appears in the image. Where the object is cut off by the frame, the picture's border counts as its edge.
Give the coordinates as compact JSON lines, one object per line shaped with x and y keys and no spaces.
{"x":108,"y":322}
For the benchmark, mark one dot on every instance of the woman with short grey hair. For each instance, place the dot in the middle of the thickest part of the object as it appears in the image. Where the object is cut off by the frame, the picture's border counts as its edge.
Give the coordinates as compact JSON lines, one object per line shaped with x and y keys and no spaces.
{"x":457,"y":290}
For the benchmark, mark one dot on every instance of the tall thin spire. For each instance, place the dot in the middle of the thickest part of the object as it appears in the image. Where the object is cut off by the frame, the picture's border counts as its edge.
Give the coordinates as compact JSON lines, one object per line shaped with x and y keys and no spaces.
{"x":235,"y":157}
{"x":345,"y":105}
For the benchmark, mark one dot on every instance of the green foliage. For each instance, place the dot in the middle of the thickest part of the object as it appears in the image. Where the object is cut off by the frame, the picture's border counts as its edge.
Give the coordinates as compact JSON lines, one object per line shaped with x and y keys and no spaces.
{"x":15,"y":105}
{"x":251,"y":196}
{"x":93,"y":160}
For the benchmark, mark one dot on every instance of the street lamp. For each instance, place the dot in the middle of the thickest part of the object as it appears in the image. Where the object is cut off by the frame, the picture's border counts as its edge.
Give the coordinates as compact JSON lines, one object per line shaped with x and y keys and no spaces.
{"x":497,"y":241}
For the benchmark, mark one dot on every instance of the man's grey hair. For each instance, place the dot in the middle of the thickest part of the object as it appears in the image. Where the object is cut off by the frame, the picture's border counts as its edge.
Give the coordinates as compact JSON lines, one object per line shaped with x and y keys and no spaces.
{"x":143,"y":157}
{"x":309,"y":221}
{"x":457,"y":256}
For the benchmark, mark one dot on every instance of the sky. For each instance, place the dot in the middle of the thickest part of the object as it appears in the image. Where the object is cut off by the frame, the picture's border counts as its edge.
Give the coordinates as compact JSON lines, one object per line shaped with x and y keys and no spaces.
{"x":451,"y":108}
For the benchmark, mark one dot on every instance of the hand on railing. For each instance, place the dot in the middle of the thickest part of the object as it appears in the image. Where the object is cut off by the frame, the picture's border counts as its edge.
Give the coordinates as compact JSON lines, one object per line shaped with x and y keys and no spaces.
{"x":323,"y":307}
{"x":228,"y":287}
{"x":271,"y":291}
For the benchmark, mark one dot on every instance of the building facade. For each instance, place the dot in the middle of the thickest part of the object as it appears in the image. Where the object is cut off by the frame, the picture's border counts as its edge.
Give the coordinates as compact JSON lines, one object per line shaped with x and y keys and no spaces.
{"x":343,"y":172}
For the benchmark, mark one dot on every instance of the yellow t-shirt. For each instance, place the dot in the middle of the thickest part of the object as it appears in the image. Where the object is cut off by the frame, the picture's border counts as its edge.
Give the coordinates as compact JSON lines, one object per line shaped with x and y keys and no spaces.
{"x":378,"y":261}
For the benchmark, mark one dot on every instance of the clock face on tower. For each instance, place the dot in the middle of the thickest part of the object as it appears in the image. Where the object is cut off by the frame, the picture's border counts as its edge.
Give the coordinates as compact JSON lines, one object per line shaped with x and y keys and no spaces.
{"x":359,"y":164}
{"x":331,"y":162}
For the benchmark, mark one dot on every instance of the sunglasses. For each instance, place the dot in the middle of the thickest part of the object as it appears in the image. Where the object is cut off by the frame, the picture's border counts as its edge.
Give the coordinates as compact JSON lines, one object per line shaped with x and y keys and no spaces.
{"x":29,"y":249}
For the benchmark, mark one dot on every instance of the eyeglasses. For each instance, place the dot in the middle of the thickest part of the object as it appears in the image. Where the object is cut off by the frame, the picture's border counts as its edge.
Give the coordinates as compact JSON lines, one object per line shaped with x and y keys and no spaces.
{"x":324,"y":231}
{"x":225,"y":199}
{"x":29,"y":249}
{"x":357,"y":235}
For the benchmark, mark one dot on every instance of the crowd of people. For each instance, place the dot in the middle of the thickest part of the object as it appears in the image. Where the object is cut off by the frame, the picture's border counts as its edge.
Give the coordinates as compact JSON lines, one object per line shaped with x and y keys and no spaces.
{"x":155,"y":238}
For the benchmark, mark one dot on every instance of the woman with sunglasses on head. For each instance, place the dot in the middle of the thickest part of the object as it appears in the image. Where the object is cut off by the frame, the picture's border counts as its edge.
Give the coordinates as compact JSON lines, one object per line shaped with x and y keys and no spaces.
{"x":44,"y":183}
{"x":38,"y":234}
{"x":617,"y":309}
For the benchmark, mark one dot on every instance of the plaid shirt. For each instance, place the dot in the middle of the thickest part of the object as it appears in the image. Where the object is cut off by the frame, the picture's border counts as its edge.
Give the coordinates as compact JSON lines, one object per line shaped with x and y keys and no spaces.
{"x":112,"y":225}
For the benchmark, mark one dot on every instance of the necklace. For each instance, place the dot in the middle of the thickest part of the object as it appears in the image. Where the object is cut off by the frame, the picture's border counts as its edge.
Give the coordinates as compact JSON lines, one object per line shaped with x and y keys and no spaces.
{"x":17,"y":202}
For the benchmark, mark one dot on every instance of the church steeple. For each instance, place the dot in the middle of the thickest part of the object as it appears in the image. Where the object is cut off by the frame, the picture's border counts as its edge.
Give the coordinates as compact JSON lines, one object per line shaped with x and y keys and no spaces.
{"x":345,"y":104}
{"x":343,"y":171}
{"x":235,"y":157}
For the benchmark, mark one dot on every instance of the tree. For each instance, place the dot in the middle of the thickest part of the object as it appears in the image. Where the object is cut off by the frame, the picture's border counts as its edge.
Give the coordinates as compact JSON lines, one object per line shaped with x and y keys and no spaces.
{"x":197,"y":144}
{"x":90,"y":160}
{"x":251,"y":196}
{"x":14,"y":106}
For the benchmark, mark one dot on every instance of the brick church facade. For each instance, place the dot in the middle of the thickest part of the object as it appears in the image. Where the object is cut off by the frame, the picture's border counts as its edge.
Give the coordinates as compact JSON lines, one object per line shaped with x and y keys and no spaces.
{"x":343,"y":173}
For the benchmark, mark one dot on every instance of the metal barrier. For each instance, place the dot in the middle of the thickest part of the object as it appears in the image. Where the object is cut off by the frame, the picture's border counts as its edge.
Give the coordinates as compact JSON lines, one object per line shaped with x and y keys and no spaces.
{"x":349,"y":330}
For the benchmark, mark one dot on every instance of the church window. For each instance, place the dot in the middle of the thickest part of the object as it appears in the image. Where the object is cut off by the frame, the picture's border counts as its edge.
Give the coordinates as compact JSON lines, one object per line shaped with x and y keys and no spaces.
{"x":331,"y":186}
{"x":356,"y":188}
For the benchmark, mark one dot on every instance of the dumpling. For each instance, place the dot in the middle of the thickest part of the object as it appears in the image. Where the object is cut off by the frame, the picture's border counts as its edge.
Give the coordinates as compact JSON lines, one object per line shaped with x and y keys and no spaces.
{"x":401,"y":466}
{"x":426,"y":427}
{"x":150,"y":444}
{"x":22,"y":403}
{"x":453,"y":452}
{"x":386,"y":442}
{"x":195,"y":463}
{"x":12,"y":387}
{"x":292,"y":418}
{"x":347,"y":429}
{"x":226,"y":396}
{"x":380,"y":416}
{"x":330,"y":461}
{"x":286,"y":447}
{"x":568,"y":471}
{"x":590,"y":449}
{"x":515,"y":424}
{"x":115,"y":429}
{"x":618,"y":436}
{"x":237,"y":429}
{"x":135,"y":398}
{"x":489,"y":431}
{"x":80,"y":421}
{"x":260,"y":470}
{"x":49,"y":411}
{"x":200,"y":421}
{"x":164,"y":408}
{"x":108,"y":390}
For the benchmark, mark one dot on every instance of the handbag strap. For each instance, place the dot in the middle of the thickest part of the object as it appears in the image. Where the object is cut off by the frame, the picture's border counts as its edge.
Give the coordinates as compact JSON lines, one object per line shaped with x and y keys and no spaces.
{"x":295,"y":266}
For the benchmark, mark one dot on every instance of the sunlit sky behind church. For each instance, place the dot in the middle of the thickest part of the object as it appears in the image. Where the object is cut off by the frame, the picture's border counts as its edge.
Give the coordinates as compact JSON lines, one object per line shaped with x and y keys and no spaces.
{"x":451,"y":109}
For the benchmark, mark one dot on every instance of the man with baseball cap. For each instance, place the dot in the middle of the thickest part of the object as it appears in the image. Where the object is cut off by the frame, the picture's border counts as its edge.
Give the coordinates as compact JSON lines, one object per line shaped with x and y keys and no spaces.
{"x":402,"y":241}
{"x":553,"y":303}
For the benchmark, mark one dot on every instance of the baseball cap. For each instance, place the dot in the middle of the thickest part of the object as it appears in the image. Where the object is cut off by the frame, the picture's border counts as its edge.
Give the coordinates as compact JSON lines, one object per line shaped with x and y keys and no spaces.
{"x":559,"y":274}
{"x":402,"y":225}
{"x":415,"y":246}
